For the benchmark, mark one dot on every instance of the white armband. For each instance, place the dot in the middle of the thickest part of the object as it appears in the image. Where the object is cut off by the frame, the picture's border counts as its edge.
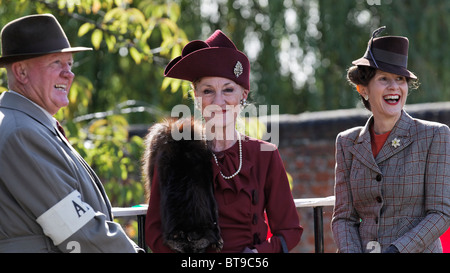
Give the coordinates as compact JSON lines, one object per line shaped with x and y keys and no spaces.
{"x":65,"y":218}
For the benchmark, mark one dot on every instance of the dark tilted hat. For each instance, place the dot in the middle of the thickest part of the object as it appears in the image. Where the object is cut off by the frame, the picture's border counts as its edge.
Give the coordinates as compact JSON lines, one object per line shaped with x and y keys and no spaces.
{"x":32,"y":36}
{"x":388,"y":53}
{"x":215,"y":57}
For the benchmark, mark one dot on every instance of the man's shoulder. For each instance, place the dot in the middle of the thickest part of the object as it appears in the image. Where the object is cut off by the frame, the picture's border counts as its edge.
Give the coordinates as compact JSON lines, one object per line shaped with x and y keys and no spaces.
{"x":15,"y":123}
{"x":13,"y":119}
{"x":17,"y":112}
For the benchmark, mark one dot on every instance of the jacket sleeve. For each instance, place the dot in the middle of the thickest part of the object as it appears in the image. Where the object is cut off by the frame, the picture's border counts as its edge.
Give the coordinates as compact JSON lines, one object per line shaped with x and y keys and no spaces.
{"x":437,"y":201}
{"x":46,"y":186}
{"x":281,"y":211}
{"x":345,"y":220}
{"x":153,"y":232}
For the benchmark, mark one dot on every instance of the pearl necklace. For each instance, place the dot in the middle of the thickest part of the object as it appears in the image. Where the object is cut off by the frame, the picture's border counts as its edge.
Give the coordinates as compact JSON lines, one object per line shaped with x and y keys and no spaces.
{"x":240,"y":161}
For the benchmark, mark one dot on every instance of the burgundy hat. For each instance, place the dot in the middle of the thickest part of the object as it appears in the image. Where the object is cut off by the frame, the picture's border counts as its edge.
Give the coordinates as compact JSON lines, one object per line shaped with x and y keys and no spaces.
{"x":388,"y":53}
{"x":32,"y":36}
{"x":215,"y":57}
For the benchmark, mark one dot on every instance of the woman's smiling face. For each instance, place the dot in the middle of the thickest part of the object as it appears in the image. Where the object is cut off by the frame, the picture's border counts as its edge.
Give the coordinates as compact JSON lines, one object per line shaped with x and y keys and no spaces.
{"x":220,"y":99}
{"x":387,"y":94}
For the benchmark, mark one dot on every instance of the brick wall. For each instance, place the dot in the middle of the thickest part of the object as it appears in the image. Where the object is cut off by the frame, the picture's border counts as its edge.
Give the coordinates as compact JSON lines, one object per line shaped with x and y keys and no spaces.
{"x":307,"y":146}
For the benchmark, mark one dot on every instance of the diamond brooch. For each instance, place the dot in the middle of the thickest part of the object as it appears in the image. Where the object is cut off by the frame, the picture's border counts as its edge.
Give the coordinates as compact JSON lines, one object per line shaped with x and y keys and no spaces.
{"x":238,"y":69}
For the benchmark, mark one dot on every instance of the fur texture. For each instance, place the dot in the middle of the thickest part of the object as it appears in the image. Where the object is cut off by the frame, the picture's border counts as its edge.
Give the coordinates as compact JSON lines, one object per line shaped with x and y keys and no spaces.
{"x":189,"y":212}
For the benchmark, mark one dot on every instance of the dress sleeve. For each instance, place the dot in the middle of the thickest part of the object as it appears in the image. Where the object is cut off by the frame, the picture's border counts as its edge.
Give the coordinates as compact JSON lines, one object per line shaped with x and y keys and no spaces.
{"x":280,"y":207}
{"x":153,"y":232}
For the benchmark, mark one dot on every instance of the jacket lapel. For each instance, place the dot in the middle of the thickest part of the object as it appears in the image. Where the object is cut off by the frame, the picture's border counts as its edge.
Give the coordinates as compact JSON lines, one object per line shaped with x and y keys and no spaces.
{"x":362,"y":149}
{"x":399,"y":138}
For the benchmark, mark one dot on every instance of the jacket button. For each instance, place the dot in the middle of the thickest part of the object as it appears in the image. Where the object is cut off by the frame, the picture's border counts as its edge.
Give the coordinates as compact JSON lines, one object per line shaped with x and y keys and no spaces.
{"x":256,"y":239}
{"x":255,"y":219}
{"x":255,"y":198}
{"x":379,"y":177}
{"x":378,"y":198}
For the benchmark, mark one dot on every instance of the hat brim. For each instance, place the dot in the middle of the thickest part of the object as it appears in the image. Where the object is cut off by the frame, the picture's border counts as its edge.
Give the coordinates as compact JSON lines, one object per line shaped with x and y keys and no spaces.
{"x":209,"y":62}
{"x":385,"y":67}
{"x":4,"y":60}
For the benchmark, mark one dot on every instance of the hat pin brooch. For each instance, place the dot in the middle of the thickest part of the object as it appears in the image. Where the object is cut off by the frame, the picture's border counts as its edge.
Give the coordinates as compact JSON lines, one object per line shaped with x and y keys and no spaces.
{"x":238,"y":69}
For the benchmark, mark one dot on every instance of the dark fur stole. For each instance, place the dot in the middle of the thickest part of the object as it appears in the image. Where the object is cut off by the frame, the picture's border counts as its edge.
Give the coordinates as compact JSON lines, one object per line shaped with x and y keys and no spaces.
{"x":189,"y":214}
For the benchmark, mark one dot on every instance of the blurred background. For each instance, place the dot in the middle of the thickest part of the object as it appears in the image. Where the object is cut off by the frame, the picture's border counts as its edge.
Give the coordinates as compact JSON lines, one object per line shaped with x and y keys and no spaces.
{"x":299,"y":52}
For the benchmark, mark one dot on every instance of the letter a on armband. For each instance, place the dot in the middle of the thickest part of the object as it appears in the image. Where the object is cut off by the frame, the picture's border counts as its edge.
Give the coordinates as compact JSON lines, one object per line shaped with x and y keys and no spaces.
{"x":66,"y":217}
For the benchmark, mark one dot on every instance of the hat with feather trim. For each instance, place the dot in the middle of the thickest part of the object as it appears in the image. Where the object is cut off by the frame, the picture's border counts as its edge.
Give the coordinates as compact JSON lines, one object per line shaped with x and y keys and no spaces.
{"x":215,"y":57}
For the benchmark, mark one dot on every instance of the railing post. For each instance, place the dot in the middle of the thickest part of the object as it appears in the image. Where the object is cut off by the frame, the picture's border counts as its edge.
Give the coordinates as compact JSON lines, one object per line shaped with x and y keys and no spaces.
{"x":318,"y":229}
{"x":141,"y":231}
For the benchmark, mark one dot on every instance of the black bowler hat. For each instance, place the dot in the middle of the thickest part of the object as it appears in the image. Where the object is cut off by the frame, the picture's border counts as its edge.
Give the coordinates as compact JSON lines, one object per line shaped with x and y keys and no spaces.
{"x":388,"y":53}
{"x":32,"y":36}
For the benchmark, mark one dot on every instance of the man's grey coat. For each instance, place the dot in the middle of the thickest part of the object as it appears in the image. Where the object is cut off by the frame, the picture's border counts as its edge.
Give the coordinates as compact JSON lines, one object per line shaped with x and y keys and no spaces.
{"x":50,"y":199}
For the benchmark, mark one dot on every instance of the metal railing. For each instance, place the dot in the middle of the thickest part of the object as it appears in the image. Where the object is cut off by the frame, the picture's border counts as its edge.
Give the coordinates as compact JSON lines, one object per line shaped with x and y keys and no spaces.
{"x":316,"y":203}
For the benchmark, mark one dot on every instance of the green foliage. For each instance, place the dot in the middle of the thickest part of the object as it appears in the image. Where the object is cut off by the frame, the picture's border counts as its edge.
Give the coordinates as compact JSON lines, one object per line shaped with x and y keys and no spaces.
{"x":132,"y":41}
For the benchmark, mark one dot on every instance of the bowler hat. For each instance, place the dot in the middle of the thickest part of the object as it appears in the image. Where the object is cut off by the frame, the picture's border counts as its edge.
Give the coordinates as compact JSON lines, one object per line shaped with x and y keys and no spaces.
{"x":32,"y":36}
{"x":388,"y":53}
{"x":215,"y":57}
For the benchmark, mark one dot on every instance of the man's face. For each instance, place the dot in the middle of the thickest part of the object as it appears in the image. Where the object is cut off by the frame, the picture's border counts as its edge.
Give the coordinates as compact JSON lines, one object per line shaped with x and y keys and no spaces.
{"x":49,"y":78}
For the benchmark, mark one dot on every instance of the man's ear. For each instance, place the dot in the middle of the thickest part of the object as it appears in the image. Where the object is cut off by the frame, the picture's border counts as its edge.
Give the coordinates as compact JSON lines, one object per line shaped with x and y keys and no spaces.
{"x":19,"y":70}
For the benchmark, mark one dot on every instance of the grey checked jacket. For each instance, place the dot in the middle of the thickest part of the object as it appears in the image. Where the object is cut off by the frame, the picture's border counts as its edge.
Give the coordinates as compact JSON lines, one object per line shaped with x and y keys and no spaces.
{"x":401,"y":197}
